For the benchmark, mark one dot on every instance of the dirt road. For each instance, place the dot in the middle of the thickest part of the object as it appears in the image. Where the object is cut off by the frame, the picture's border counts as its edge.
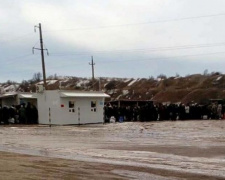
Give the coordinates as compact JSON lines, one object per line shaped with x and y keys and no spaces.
{"x":154,"y":150}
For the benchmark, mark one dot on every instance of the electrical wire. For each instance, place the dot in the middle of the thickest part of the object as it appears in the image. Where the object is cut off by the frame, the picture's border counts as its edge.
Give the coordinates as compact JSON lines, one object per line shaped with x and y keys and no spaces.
{"x":163,"y":48}
{"x":192,"y":55}
{"x":142,"y":50}
{"x":18,"y":57}
{"x":137,"y":60}
{"x":16,"y":38}
{"x":119,"y":61}
{"x":143,"y":23}
{"x":11,"y":60}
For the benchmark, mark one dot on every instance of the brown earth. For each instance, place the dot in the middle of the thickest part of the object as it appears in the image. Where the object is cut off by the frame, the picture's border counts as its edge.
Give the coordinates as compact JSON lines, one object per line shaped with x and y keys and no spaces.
{"x":21,"y":167}
{"x":188,"y":150}
{"x":192,"y":88}
{"x":18,"y":166}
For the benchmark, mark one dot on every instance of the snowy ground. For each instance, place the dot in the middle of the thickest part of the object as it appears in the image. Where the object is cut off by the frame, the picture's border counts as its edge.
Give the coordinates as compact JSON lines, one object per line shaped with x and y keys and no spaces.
{"x":134,"y":150}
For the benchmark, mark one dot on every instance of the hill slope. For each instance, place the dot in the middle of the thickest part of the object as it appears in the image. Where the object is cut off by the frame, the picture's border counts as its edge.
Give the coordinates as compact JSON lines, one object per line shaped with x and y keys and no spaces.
{"x":197,"y":88}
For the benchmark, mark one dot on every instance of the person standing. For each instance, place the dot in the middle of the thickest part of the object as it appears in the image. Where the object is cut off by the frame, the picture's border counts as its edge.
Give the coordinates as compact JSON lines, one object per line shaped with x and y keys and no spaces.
{"x":219,"y":111}
{"x":34,"y":114}
{"x":187,"y":111}
{"x":1,"y":115}
{"x":28,"y":113}
{"x":22,"y":115}
{"x":5,"y":114}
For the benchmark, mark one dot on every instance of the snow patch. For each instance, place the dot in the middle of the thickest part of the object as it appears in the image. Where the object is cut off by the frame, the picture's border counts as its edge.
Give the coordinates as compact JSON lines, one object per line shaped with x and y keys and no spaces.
{"x":82,"y":82}
{"x":39,"y":83}
{"x":111,"y":92}
{"x":64,"y":81}
{"x":118,"y":97}
{"x":160,"y":79}
{"x":109,"y":79}
{"x":127,"y":80}
{"x":11,"y":88}
{"x":125,"y":92}
{"x":218,"y":78}
{"x":106,"y":84}
{"x":51,"y":82}
{"x":132,"y":82}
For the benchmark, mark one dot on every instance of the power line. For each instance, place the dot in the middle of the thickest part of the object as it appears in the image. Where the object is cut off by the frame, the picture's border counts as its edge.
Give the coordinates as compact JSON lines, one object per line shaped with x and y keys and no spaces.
{"x":18,"y":57}
{"x":141,"y":50}
{"x":203,"y":54}
{"x":12,"y":60}
{"x":142,"y":23}
{"x":192,"y":55}
{"x":16,"y":38}
{"x":149,"y":59}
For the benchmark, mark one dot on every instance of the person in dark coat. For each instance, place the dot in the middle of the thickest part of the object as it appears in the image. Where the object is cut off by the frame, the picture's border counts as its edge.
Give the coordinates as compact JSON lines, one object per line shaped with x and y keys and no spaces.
{"x":34,"y":114}
{"x":5,"y":114}
{"x":22,"y":114}
{"x":12,"y":113}
{"x":29,"y":113}
{"x":1,"y":120}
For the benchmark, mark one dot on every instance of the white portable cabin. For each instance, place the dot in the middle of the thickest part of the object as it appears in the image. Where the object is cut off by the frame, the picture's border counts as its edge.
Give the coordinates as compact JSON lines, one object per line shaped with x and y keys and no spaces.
{"x":62,"y":107}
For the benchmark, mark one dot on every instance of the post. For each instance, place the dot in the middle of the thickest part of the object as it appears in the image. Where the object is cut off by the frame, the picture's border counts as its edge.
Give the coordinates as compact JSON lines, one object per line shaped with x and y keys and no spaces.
{"x":79,"y":116}
{"x":42,"y":53}
{"x":93,"y":73}
{"x":50,"y":117}
{"x":99,"y":84}
{"x":42,"y":56}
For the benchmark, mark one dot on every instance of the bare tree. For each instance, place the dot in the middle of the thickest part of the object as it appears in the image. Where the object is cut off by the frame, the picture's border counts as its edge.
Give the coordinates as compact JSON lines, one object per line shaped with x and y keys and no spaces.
{"x":162,"y":76}
{"x":205,"y":73}
{"x":37,"y":77}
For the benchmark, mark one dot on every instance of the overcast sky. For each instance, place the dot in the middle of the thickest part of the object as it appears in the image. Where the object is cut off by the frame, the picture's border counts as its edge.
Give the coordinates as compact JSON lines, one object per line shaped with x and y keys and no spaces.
{"x":127,"y":38}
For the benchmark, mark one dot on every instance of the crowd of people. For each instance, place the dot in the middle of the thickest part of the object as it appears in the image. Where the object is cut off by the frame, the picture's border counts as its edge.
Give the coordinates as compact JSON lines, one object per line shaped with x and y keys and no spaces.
{"x":19,"y":114}
{"x":151,"y":112}
{"x":28,"y":113}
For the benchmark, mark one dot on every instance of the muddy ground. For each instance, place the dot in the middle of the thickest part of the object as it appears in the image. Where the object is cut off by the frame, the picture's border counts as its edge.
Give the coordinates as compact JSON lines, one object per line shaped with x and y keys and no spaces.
{"x":133,"y":150}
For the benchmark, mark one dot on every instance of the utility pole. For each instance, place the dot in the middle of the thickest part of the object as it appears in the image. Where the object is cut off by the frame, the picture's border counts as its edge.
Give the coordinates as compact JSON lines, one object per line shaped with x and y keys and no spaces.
{"x":99,"y":83}
{"x":93,"y":73}
{"x":92,"y":64}
{"x":42,"y":53}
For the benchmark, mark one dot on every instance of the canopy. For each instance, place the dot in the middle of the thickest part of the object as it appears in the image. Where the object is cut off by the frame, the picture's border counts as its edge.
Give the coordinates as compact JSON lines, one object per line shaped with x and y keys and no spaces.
{"x":83,"y":94}
{"x":7,"y":95}
{"x":27,"y":96}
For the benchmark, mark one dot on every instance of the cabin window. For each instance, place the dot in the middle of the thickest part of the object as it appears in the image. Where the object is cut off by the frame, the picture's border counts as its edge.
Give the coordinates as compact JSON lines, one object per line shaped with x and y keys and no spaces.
{"x":93,"y":106}
{"x":72,"y":106}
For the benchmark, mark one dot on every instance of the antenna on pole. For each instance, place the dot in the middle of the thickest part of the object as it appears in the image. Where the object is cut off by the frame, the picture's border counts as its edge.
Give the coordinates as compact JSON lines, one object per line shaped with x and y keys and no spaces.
{"x":42,"y":53}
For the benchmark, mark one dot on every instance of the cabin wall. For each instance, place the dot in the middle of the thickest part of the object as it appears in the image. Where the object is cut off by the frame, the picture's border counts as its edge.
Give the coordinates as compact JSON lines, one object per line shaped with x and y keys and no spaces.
{"x":63,"y":112}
